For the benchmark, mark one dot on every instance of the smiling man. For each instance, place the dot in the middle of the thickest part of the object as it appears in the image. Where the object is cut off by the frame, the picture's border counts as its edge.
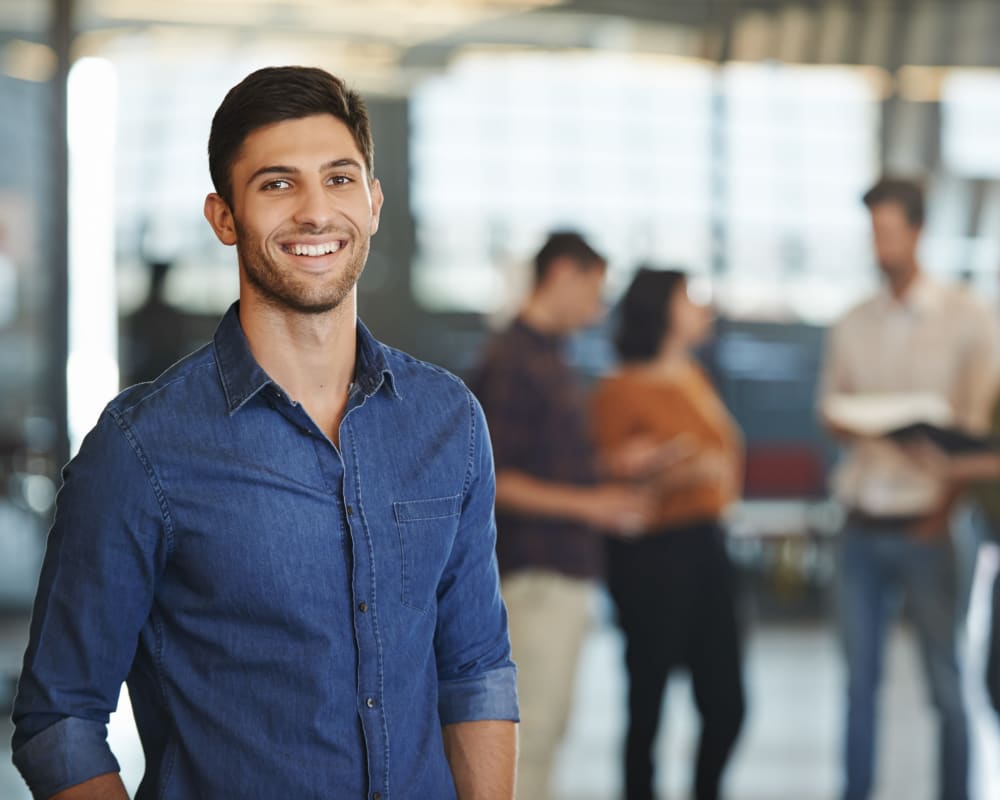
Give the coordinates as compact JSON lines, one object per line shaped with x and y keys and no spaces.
{"x":284,"y":544}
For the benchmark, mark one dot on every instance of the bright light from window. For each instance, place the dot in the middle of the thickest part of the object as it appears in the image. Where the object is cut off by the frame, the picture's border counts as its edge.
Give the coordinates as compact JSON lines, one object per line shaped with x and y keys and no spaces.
{"x":630,"y":151}
{"x":506,"y":148}
{"x":92,"y":370}
{"x":971,"y":126}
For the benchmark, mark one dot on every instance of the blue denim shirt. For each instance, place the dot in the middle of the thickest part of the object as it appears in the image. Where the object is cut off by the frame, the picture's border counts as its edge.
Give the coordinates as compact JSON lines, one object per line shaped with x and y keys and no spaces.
{"x":292,"y":619}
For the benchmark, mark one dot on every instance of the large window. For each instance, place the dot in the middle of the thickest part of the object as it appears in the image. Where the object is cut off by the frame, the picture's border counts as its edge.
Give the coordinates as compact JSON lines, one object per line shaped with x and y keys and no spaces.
{"x":801,"y":148}
{"x":505,"y":149}
{"x":752,"y":173}
{"x":970,"y":246}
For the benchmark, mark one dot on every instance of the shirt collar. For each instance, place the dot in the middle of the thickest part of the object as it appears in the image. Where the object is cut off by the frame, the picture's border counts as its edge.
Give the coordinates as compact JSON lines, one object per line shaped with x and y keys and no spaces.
{"x":553,"y":340}
{"x":920,"y":298}
{"x":242,"y":377}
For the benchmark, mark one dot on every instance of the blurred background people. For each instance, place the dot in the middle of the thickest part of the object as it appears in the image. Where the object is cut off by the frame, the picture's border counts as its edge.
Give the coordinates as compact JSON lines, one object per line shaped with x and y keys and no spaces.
{"x":549,"y":504}
{"x":915,"y":335}
{"x":660,"y":422}
{"x":157,"y":333}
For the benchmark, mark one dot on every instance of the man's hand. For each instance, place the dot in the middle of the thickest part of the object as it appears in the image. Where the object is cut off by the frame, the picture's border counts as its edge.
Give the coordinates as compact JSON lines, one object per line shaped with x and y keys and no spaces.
{"x":622,"y":510}
{"x":103,"y":787}
{"x":644,"y":457}
{"x":614,"y":507}
{"x":929,"y":459}
{"x":936,"y":524}
{"x":960,"y":469}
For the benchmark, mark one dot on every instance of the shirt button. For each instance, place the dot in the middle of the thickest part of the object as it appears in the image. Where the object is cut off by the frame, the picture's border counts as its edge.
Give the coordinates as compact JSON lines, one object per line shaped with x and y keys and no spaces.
{"x":370,"y":702}
{"x":362,"y":606}
{"x":350,"y":511}
{"x":376,"y":795}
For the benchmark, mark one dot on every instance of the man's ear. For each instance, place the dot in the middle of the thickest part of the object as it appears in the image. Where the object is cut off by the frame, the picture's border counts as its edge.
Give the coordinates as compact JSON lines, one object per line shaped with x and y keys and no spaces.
{"x":377,"y":200}
{"x":220,"y":218}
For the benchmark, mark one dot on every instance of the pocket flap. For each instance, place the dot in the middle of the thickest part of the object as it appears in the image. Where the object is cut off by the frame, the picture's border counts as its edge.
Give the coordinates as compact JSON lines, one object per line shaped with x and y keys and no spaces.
{"x":434,"y":508}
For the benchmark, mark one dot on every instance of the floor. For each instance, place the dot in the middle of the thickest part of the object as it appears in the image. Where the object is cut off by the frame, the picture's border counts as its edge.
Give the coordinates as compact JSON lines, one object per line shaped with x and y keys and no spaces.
{"x":789,"y":748}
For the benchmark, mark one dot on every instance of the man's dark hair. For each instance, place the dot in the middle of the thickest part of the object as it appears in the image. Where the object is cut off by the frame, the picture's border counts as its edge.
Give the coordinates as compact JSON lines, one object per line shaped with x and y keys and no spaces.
{"x":644,"y":313}
{"x":277,"y":94}
{"x":907,"y":194}
{"x":565,"y":244}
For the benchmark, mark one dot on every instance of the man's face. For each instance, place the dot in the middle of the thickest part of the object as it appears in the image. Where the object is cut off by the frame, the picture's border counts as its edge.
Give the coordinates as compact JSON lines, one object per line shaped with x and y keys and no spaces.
{"x":303,"y":213}
{"x":895,"y":239}
{"x":580,"y":289}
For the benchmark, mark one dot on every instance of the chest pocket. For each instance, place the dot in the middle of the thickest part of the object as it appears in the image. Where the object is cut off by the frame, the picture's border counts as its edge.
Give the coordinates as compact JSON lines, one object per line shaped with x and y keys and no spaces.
{"x":427,"y":530}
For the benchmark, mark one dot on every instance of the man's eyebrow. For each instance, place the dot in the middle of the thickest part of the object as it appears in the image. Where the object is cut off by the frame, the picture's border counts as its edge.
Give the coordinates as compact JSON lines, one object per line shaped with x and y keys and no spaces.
{"x":342,"y":162}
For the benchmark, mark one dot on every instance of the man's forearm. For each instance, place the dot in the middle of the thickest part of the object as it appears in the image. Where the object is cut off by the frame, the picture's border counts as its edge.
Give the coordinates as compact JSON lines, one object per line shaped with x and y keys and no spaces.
{"x":525,"y":494}
{"x":483,"y":758}
{"x":103,"y":787}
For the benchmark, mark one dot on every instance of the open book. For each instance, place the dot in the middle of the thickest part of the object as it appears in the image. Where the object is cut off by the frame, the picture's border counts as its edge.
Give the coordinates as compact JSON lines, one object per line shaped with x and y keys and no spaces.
{"x":951,"y":440}
{"x":904,"y":417}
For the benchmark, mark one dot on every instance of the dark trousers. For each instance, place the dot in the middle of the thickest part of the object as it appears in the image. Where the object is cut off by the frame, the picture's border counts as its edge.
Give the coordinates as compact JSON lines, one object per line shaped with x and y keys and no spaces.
{"x":675,"y":595}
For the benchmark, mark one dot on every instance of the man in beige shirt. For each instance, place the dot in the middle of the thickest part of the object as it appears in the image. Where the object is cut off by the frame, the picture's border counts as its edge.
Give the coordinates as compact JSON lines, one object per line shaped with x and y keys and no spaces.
{"x":915,"y":337}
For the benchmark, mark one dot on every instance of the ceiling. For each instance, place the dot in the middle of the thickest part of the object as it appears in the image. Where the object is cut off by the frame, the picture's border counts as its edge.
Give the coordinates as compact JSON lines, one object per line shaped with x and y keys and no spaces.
{"x":391,"y":43}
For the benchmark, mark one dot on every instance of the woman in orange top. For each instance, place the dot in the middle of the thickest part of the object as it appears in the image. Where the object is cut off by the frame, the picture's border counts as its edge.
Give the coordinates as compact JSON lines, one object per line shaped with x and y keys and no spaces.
{"x":659,"y":422}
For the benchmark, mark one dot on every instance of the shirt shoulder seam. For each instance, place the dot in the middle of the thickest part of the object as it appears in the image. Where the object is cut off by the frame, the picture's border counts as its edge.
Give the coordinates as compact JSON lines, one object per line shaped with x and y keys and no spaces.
{"x":470,"y":465}
{"x":155,"y":388}
{"x":161,"y":499}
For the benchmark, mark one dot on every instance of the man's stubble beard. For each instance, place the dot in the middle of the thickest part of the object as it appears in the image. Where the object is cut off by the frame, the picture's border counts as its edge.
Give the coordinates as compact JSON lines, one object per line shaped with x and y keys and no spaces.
{"x":280,"y":289}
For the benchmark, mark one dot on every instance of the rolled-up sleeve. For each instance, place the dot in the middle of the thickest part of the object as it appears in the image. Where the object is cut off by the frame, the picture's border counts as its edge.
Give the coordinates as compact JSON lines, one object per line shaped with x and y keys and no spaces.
{"x":69,"y":752}
{"x":476,"y":678}
{"x":104,"y":551}
{"x":492,"y":695}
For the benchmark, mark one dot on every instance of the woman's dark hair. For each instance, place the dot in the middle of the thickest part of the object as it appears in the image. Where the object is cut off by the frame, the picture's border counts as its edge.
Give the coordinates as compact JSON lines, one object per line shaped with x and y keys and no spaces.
{"x":276,"y":94}
{"x":643,"y":313}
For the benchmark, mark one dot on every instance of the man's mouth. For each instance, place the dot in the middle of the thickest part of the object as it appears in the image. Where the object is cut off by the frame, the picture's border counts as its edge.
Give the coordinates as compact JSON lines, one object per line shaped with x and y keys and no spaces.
{"x":321,"y":249}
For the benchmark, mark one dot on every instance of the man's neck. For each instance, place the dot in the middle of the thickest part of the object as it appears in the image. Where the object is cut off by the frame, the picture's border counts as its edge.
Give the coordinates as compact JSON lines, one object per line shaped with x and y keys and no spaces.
{"x":311,"y":356}
{"x":537,"y":313}
{"x":901,"y":286}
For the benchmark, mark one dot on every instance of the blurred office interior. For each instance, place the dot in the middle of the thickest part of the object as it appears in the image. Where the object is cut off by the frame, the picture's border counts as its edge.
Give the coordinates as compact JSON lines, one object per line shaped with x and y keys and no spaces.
{"x":731,"y":138}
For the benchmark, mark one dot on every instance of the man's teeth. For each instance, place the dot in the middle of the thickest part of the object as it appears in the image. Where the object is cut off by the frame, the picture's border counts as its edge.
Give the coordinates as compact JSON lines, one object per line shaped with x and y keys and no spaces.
{"x":314,"y":249}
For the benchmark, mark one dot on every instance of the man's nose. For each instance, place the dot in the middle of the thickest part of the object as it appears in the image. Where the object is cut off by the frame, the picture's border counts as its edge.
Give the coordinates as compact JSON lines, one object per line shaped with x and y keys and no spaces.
{"x":315,"y":207}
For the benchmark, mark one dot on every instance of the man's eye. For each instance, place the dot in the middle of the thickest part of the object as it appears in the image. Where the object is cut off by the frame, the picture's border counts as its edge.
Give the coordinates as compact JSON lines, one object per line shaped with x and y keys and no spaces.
{"x":339,"y":180}
{"x":281,"y":183}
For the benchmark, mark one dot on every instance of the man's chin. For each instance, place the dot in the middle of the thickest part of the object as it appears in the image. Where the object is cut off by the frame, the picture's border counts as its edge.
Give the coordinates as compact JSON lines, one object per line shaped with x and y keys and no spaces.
{"x":314,"y":307}
{"x":300,"y":299}
{"x":303,"y":304}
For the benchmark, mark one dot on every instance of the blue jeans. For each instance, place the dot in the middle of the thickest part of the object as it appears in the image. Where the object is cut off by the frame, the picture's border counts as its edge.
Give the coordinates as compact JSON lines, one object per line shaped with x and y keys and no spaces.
{"x":875,"y":564}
